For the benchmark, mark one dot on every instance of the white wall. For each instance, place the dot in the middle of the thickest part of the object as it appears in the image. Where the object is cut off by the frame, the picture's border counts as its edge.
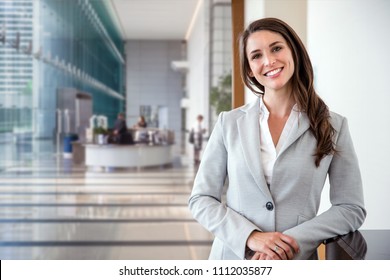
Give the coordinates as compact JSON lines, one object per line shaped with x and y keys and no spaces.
{"x":291,"y":11}
{"x":349,"y":43}
{"x":198,"y":75}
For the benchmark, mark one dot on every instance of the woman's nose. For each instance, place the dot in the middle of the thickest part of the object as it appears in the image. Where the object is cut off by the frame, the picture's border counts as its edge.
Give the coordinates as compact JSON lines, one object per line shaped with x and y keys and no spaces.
{"x":269,"y":60}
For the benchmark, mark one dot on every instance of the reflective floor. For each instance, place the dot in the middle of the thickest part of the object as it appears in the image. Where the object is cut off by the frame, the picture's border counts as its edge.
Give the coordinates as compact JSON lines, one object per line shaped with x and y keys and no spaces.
{"x":52,"y":208}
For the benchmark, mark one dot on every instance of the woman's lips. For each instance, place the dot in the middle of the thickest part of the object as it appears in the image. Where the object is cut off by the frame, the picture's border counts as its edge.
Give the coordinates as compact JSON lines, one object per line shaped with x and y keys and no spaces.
{"x":273,"y":72}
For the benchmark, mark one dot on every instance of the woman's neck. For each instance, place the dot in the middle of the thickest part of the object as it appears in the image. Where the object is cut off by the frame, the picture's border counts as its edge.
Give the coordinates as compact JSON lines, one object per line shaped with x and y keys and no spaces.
{"x":279,"y":104}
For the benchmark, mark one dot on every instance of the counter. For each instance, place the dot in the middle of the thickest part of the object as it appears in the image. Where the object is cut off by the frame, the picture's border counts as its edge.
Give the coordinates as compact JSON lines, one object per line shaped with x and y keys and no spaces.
{"x":139,"y":155}
{"x":359,"y":245}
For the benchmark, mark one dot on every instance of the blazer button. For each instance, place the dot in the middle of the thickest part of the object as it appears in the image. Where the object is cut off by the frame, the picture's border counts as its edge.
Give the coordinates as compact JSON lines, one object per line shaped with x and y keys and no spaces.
{"x":269,"y":206}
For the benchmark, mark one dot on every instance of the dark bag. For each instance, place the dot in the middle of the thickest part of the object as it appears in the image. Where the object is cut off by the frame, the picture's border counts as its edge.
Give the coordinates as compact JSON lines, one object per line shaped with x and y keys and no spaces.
{"x":191,"y":137}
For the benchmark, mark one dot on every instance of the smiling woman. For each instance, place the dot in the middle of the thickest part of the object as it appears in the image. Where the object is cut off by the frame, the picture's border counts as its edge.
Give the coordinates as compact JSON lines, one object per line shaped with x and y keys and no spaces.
{"x":276,"y":153}
{"x":270,"y":60}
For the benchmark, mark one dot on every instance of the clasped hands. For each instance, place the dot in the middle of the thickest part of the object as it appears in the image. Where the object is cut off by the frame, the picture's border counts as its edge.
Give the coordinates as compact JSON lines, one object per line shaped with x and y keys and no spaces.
{"x":272,"y":246}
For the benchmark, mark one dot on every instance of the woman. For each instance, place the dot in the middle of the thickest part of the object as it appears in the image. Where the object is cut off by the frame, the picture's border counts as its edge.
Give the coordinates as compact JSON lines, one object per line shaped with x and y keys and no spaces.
{"x":120,"y":128}
{"x":141,"y":123}
{"x":198,"y":130}
{"x":275,"y":155}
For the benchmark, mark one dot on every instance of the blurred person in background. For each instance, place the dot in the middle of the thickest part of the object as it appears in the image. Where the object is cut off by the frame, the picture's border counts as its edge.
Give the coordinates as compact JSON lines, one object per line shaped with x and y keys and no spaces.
{"x":197,"y":131}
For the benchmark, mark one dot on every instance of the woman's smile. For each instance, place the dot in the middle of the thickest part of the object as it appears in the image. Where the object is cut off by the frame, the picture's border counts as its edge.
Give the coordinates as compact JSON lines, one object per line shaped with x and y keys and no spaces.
{"x":273,"y":73}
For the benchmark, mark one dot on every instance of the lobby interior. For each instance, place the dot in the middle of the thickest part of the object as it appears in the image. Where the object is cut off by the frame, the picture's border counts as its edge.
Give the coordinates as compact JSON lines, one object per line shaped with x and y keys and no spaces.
{"x":53,"y":206}
{"x":140,"y":57}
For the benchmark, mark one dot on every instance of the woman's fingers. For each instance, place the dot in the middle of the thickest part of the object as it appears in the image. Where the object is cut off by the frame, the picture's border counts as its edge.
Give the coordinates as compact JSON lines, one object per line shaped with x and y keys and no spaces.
{"x":290,"y":242}
{"x":288,"y":251}
{"x":256,"y":256}
{"x":280,"y":251}
{"x":275,"y":245}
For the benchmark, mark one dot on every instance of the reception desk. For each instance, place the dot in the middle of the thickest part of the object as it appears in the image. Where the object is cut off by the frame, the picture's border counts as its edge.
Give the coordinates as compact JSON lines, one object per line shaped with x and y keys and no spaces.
{"x":359,"y":245}
{"x":125,"y":156}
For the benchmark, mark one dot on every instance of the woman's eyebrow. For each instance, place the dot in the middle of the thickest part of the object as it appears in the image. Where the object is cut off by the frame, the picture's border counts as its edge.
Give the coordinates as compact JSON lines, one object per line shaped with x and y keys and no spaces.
{"x":255,"y":51}
{"x":275,"y":43}
{"x":270,"y":46}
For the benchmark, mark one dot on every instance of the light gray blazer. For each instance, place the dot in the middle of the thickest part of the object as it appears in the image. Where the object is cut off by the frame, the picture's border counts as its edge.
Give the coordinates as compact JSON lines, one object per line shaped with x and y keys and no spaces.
{"x":233,"y":153}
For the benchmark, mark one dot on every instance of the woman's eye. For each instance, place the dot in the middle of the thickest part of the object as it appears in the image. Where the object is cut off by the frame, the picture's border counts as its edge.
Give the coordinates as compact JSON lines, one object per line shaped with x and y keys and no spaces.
{"x":256,"y":56}
{"x":276,"y":49}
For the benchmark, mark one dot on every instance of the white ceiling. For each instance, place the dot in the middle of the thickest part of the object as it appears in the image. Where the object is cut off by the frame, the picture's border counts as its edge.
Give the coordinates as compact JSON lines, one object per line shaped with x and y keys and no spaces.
{"x":154,"y":19}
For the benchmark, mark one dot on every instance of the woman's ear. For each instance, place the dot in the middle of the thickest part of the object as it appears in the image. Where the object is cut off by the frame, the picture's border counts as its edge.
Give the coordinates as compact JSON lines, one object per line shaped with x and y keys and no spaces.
{"x":250,"y":74}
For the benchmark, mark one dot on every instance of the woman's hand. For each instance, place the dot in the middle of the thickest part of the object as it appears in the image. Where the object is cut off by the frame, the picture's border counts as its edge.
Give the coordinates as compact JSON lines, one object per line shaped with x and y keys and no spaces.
{"x":272,"y":246}
{"x":260,"y":256}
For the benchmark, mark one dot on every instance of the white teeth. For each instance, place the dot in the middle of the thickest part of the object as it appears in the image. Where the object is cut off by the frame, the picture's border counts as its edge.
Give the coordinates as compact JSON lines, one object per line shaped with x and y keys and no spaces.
{"x":273,"y":72}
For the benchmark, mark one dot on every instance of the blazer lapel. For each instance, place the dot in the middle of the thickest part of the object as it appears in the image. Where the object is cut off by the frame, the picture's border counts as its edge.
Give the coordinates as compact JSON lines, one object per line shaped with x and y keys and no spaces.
{"x":303,"y":125}
{"x":249,"y":133}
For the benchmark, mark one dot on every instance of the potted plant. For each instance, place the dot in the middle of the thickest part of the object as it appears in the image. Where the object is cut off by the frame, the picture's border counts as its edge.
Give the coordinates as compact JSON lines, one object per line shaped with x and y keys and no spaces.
{"x":221,"y":95}
{"x":99,"y":134}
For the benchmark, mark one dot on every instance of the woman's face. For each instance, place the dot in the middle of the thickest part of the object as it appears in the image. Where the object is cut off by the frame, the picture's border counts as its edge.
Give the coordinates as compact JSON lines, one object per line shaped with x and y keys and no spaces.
{"x":270,"y":60}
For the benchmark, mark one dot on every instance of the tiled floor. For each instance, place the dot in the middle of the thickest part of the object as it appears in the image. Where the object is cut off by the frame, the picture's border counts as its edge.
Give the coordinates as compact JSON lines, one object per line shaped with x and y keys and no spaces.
{"x":51,"y":208}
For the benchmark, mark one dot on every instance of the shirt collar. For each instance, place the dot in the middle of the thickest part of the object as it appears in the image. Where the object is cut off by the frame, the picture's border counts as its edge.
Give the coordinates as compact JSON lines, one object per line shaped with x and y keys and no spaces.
{"x":264,"y":111}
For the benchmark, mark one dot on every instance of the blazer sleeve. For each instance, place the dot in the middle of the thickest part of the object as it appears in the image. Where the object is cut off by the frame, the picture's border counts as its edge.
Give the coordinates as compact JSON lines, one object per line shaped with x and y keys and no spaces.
{"x":347,"y":212}
{"x":206,"y":203}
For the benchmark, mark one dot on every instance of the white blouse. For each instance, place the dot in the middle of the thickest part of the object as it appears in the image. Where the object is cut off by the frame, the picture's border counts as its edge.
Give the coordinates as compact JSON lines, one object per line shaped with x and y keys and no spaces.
{"x":269,"y":152}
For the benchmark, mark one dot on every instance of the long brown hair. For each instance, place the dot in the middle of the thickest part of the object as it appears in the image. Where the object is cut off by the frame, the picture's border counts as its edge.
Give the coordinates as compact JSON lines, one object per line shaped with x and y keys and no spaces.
{"x":303,"y":91}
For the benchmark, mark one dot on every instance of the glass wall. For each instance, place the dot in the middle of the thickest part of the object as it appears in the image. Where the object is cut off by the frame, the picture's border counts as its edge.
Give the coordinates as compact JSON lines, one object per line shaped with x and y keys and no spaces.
{"x":16,"y":67}
{"x":221,"y":58}
{"x":46,"y":45}
{"x":221,"y":41}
